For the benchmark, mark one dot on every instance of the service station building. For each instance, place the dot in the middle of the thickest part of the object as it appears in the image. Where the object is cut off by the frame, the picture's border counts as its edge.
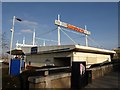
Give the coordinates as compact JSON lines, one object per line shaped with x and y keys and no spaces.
{"x":64,"y":55}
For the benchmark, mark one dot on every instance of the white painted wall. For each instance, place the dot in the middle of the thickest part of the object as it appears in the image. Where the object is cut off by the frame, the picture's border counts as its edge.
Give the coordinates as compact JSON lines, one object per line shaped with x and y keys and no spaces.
{"x":42,"y":59}
{"x":90,"y":58}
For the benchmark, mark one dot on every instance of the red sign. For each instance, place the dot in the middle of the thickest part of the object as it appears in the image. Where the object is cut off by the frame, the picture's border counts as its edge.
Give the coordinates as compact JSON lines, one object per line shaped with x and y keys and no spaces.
{"x":75,"y":28}
{"x":71,"y":27}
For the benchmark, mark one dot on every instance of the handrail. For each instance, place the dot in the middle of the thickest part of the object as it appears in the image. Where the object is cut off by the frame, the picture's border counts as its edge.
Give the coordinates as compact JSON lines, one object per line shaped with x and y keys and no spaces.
{"x":50,"y":69}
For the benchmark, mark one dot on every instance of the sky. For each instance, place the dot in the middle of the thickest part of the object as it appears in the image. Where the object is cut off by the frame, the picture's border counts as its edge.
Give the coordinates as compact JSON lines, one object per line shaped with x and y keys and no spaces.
{"x":101,"y":19}
{"x":60,"y":0}
{"x":0,"y":28}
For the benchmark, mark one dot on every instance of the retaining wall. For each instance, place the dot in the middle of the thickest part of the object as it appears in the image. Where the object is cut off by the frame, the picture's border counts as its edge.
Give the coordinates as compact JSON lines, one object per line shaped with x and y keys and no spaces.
{"x":63,"y":80}
{"x":101,"y":71}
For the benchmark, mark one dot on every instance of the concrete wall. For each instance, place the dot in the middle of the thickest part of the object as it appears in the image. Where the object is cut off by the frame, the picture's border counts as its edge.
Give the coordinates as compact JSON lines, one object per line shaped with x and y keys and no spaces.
{"x":90,"y":58}
{"x":42,"y":59}
{"x":101,"y":71}
{"x":61,"y":80}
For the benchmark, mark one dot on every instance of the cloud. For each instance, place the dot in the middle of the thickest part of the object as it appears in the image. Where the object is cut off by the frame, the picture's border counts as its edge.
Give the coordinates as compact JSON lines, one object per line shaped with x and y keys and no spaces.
{"x":33,"y":24}
{"x":19,"y":33}
{"x":26,"y":31}
{"x":29,"y":23}
{"x":26,"y":23}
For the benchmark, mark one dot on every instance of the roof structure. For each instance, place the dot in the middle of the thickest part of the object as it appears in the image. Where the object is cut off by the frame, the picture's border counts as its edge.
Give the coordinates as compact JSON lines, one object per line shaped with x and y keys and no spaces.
{"x":64,"y":48}
{"x":16,"y":52}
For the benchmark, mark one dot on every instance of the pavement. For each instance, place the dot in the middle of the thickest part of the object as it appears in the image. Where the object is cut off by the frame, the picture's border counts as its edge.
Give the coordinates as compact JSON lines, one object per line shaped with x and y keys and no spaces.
{"x":0,"y":75}
{"x":110,"y":80}
{"x":2,"y":65}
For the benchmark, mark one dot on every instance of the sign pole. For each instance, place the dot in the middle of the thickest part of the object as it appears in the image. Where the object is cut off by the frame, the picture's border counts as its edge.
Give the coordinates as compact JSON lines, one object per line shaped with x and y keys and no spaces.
{"x":86,"y":37}
{"x":12,"y":30}
{"x":69,"y":26}
{"x":34,"y":37}
{"x":59,"y":31}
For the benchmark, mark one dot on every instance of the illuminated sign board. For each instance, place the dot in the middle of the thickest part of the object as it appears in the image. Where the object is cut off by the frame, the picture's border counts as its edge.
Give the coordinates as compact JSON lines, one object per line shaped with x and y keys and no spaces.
{"x":71,"y":27}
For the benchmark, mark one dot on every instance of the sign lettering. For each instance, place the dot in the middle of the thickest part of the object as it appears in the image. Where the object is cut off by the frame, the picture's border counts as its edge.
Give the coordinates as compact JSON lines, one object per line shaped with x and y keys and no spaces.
{"x":59,"y":23}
